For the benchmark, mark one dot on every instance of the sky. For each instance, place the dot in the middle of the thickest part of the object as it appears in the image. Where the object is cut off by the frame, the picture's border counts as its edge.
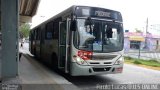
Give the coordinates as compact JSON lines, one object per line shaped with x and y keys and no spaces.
{"x":134,"y":12}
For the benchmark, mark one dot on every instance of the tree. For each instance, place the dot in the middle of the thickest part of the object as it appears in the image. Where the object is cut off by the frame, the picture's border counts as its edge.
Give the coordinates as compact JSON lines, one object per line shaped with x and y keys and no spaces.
{"x":24,"y":30}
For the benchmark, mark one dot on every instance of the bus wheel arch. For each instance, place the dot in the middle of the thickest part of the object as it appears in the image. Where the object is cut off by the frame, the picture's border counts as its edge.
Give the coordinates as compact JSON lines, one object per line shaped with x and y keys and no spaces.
{"x":54,"y":61}
{"x":34,"y":52}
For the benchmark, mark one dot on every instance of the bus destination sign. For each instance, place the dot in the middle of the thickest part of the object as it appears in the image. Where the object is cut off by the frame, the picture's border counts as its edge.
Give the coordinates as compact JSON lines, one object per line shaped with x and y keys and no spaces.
{"x":102,"y":14}
{"x":97,"y":12}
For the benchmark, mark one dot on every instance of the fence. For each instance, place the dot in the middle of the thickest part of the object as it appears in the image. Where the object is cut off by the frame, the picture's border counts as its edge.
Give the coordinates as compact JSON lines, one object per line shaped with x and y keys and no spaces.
{"x":137,"y":49}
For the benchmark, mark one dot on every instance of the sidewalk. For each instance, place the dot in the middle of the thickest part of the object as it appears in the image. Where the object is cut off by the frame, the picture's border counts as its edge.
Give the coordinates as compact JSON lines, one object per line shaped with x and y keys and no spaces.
{"x":15,"y":80}
{"x":35,"y":75}
{"x":32,"y":75}
{"x":0,"y":63}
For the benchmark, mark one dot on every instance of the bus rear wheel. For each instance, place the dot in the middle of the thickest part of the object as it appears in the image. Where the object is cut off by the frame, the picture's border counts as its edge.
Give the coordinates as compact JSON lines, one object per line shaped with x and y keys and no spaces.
{"x":54,"y":62}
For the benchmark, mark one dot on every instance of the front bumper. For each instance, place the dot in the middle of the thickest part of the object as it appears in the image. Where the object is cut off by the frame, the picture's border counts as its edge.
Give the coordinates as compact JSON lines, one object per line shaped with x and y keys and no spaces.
{"x":79,"y":70}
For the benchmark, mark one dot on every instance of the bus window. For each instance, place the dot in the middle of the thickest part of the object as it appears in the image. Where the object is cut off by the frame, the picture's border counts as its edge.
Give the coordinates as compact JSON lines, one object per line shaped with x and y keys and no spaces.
{"x":109,"y":32}
{"x":55,"y":31}
{"x":114,"y":34}
{"x":99,"y":34}
{"x":85,"y":32}
{"x":49,"y":31}
{"x":36,"y":32}
{"x":63,"y":33}
{"x":42,"y":34}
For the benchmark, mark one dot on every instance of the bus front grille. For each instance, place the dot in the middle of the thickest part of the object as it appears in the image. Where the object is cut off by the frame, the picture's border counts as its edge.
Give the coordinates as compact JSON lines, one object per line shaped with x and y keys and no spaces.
{"x":101,"y":69}
{"x":108,"y":57}
{"x":97,"y":63}
{"x":107,"y":62}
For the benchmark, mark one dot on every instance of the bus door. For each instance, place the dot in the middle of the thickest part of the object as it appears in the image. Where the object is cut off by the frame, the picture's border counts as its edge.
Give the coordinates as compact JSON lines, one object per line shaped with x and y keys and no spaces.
{"x":63,"y":46}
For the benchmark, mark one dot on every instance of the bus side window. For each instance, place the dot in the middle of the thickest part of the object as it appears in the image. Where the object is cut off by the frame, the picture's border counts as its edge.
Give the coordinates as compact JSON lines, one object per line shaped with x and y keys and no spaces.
{"x":49,"y":31}
{"x":55,"y":31}
{"x":42,"y":34}
{"x":36,"y":32}
{"x":63,"y":33}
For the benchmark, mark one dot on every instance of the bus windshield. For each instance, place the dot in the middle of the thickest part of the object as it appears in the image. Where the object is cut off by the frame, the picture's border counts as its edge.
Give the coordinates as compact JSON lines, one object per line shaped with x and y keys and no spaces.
{"x":98,"y":36}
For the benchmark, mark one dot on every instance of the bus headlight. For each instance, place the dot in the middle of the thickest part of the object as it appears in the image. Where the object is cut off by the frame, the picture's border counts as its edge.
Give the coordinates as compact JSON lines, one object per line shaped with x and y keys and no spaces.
{"x":119,"y":61}
{"x":79,"y":60}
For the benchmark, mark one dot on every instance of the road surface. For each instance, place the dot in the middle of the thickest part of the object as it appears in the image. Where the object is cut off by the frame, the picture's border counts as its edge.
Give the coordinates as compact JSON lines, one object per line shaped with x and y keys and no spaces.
{"x":131,"y":75}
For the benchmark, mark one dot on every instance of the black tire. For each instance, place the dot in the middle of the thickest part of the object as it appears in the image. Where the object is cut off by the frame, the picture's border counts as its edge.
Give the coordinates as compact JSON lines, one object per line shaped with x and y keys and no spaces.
{"x":35,"y":53}
{"x":54,"y":62}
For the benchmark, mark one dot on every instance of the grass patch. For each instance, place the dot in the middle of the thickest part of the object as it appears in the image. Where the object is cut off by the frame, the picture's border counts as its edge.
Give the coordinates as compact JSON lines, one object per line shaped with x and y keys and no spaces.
{"x":153,"y":63}
{"x":128,"y":58}
{"x":150,"y":63}
{"x":137,"y":62}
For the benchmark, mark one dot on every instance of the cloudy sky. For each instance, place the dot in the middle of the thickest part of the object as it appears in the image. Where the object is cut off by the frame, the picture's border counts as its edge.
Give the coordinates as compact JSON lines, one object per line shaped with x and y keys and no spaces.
{"x":134,"y":12}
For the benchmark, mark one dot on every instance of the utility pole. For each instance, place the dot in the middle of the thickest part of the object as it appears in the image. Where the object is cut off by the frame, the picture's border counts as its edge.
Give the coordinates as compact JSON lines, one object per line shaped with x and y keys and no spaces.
{"x":147,"y":26}
{"x":146,"y":33}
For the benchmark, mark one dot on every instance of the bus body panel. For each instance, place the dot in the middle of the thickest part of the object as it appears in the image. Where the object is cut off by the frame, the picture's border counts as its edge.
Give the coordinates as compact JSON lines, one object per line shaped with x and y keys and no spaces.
{"x":45,"y":48}
{"x":97,"y":66}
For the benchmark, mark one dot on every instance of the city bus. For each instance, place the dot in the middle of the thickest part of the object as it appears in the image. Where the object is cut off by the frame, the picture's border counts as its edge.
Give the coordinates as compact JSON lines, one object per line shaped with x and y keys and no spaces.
{"x":81,"y":41}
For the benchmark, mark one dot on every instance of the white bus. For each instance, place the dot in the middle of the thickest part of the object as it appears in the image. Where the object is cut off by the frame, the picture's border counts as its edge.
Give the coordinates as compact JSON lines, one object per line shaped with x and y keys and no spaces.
{"x":81,"y":40}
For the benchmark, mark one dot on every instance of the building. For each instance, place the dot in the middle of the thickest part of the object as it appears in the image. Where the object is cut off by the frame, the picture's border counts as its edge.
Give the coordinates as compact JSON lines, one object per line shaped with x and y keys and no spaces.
{"x":136,"y":41}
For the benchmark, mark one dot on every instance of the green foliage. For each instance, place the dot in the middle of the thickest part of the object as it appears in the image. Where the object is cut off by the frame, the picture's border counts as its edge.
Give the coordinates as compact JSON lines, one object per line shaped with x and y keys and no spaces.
{"x":137,"y":62}
{"x":24,"y":30}
{"x":151,"y":62}
{"x":128,"y":58}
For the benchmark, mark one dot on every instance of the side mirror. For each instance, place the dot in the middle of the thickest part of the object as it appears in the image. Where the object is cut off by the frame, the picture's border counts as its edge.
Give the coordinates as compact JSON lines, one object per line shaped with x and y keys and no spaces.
{"x":109,"y":33}
{"x":88,"y":21}
{"x":73,"y":25}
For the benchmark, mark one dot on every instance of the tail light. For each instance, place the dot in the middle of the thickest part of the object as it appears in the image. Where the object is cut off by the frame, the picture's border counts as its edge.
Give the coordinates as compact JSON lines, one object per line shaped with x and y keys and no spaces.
{"x":85,"y":55}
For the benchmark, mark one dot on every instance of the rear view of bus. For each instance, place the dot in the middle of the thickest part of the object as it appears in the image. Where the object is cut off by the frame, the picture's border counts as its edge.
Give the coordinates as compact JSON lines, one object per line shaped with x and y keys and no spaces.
{"x":97,"y":46}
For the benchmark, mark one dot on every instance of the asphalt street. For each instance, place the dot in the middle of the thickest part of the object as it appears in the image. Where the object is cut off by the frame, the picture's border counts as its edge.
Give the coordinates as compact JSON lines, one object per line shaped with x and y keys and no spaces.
{"x":131,"y":75}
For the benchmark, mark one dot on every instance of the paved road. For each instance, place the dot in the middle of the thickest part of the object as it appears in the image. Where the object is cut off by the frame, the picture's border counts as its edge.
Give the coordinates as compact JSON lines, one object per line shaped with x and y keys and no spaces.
{"x":131,"y":75}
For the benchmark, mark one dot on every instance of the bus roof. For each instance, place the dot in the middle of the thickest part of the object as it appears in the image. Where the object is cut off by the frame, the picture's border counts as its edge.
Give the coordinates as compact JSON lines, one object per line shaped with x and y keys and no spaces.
{"x":97,"y":12}
{"x":86,"y":11}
